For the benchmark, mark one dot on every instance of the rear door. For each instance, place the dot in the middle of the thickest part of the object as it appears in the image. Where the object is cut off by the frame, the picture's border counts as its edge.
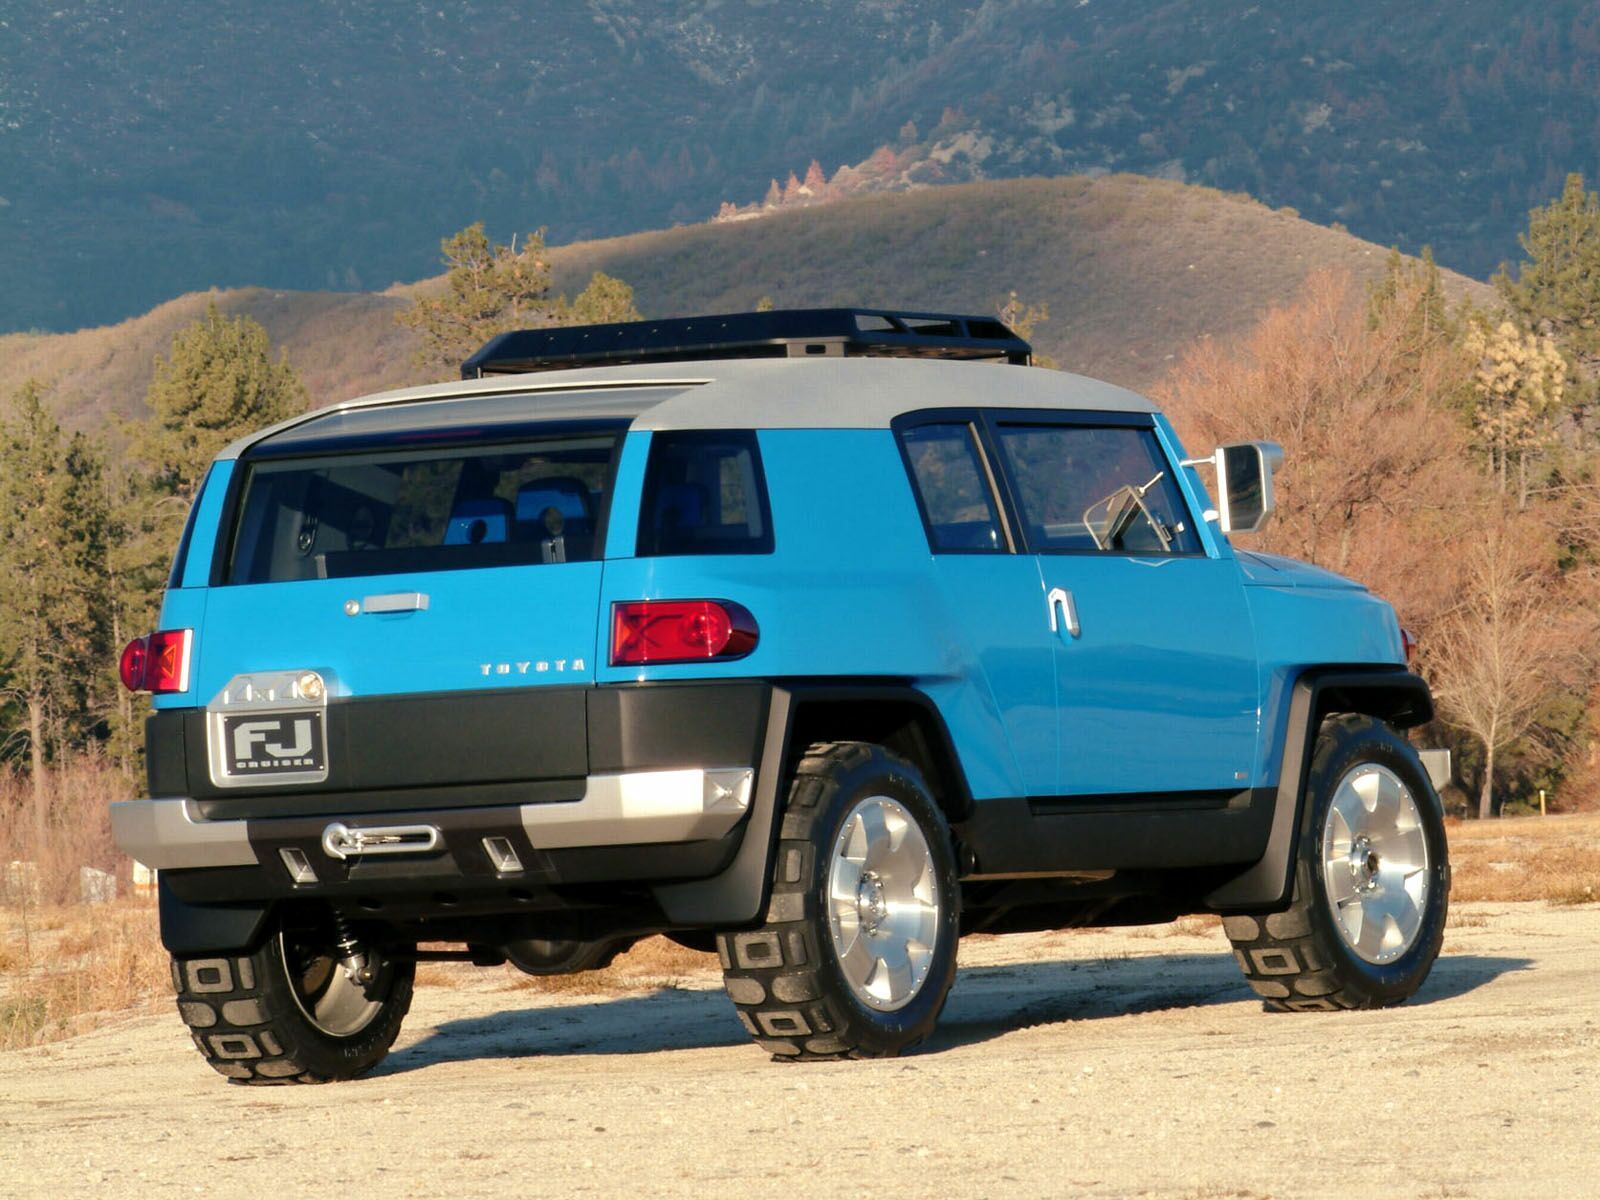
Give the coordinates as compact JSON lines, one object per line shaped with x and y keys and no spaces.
{"x":416,"y":572}
{"x":991,"y":591}
{"x":1155,"y":664}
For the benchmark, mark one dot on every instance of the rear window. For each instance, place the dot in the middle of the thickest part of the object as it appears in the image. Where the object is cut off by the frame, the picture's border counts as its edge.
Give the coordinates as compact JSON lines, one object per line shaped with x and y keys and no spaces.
{"x":437,"y":509}
{"x":704,"y":493}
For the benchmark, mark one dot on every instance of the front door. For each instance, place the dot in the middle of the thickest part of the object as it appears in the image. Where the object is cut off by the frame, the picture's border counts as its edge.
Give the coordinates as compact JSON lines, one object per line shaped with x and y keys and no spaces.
{"x":1155,"y":666}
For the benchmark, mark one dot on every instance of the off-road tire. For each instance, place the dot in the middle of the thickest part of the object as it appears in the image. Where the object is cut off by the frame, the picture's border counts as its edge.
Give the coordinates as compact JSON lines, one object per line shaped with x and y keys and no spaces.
{"x":784,"y":977}
{"x":1296,"y":960}
{"x":248,"y":1024}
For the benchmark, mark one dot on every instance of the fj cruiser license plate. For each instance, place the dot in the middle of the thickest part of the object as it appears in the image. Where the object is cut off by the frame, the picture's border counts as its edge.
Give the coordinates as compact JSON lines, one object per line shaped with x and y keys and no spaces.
{"x":263,"y":747}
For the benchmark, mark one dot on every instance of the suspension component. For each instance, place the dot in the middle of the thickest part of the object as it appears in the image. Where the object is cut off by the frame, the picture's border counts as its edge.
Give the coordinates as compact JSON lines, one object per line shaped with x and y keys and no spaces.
{"x":353,"y":958}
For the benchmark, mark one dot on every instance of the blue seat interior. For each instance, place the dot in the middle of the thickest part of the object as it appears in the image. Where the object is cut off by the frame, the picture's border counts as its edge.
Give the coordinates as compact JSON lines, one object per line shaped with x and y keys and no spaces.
{"x":473,"y":522}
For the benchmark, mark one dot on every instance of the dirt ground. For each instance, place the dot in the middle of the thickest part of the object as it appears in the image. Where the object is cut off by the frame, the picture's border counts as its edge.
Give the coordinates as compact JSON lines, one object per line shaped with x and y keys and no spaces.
{"x":1129,"y":1063}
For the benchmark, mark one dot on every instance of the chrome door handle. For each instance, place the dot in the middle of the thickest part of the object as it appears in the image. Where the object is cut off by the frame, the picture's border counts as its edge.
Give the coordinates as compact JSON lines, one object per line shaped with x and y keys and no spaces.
{"x":390,"y":602}
{"x":1069,"y":611}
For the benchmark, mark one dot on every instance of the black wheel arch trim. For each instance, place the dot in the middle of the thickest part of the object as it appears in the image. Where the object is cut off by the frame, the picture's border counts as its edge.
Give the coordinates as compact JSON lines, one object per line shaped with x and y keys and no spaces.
{"x":1392,"y":694}
{"x":738,"y":896}
{"x":208,"y":928}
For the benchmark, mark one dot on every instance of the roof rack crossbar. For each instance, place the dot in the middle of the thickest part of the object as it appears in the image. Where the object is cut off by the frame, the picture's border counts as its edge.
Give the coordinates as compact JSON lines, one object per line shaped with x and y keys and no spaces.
{"x":782,"y":333}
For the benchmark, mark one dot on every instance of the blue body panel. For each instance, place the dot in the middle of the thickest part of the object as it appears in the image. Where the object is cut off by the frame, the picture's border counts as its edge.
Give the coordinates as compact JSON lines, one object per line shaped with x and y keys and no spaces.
{"x":1159,"y":690}
{"x":850,"y":591}
{"x":1180,"y":679}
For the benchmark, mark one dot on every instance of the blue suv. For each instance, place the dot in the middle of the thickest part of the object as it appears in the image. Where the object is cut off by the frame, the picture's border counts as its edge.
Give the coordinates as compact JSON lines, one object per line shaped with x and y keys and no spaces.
{"x":817,"y":638}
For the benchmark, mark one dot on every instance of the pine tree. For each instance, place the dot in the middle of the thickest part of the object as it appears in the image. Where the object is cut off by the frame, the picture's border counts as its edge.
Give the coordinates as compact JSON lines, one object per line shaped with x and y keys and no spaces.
{"x":605,"y":300}
{"x":1519,"y":387}
{"x":54,"y":621}
{"x":1557,"y":290}
{"x":491,"y":289}
{"x":218,"y":382}
{"x":1411,"y":294}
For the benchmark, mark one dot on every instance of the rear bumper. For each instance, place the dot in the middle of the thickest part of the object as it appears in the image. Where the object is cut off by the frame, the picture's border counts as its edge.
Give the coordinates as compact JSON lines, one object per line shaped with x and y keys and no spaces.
{"x":623,"y":809}
{"x":658,"y":835}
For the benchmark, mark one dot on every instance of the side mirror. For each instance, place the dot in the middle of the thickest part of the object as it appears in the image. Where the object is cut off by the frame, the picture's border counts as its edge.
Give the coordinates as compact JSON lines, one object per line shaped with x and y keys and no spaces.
{"x":1244,"y":484}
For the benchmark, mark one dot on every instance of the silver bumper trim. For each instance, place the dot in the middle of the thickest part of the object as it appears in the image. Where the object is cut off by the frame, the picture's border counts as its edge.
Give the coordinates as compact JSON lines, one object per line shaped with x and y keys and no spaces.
{"x":628,"y":809}
{"x":164,"y":835}
{"x":638,"y":807}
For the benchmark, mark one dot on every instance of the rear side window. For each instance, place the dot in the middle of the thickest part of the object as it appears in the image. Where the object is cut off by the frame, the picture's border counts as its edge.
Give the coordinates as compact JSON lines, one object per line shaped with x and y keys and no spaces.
{"x":1096,"y":489}
{"x":704,"y":493}
{"x":384,"y":512}
{"x":957,"y":502}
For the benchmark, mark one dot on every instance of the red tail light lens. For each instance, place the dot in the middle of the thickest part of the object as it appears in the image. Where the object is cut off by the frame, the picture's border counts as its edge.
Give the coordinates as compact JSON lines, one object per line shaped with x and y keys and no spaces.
{"x":664,"y":631}
{"x":158,"y":663}
{"x":134,"y":657}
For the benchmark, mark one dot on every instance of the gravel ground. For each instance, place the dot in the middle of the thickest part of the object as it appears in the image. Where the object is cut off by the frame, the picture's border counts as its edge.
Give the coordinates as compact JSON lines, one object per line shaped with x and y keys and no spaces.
{"x":1131,"y":1063}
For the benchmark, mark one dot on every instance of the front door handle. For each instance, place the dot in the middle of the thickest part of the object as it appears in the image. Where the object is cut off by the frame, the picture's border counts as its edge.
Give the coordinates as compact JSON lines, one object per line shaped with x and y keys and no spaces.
{"x":1069,"y":611}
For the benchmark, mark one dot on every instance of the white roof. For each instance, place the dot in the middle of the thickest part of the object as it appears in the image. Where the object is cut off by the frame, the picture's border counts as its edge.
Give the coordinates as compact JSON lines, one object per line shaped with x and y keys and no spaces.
{"x":769,"y":393}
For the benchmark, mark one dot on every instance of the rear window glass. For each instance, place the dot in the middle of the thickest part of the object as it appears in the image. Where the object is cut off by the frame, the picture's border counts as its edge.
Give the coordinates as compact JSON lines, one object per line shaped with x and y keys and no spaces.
{"x":950,"y":482}
{"x":381,"y":513}
{"x":704,"y":493}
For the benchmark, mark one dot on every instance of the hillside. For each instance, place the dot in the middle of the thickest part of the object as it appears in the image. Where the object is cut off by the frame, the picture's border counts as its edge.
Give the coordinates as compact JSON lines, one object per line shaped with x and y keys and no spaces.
{"x":1131,"y":268}
{"x":331,"y":143}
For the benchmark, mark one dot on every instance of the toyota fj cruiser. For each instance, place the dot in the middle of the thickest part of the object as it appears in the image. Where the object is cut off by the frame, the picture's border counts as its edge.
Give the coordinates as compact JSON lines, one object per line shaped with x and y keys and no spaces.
{"x":779,"y":633}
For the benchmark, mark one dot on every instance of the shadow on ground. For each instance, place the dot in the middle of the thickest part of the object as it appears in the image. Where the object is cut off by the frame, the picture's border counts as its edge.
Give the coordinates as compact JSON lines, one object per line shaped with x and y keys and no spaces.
{"x":986,"y":1003}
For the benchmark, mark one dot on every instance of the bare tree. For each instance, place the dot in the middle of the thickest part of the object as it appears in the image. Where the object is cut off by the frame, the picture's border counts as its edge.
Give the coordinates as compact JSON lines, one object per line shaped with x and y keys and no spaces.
{"x":1376,"y":482}
{"x":1512,"y":644}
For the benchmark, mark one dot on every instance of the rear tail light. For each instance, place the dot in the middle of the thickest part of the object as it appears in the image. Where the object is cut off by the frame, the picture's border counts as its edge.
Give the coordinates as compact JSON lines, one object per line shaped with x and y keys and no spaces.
{"x":664,"y":631}
{"x":1409,"y":641}
{"x":158,"y":663}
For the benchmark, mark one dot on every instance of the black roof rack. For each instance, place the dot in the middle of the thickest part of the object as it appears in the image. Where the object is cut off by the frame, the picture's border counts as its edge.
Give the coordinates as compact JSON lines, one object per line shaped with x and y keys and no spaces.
{"x":783,"y":333}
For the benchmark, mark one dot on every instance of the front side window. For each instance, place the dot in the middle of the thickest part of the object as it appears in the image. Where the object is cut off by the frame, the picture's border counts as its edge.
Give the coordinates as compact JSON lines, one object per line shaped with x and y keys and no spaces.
{"x":704,"y":493}
{"x":383,"y":512}
{"x":1089,"y":489}
{"x":957,"y":503}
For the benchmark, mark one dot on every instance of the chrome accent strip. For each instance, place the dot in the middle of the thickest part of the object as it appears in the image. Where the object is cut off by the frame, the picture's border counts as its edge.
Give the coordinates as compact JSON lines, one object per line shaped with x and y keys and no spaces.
{"x":164,"y":834}
{"x":637,"y":807}
{"x":502,"y":854}
{"x":297,"y":864}
{"x":393,"y":602}
{"x":341,"y":841}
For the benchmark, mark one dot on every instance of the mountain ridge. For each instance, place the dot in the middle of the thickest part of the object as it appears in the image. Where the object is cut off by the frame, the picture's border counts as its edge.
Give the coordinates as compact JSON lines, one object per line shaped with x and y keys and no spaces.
{"x":1132,"y":270}
{"x":149,"y":151}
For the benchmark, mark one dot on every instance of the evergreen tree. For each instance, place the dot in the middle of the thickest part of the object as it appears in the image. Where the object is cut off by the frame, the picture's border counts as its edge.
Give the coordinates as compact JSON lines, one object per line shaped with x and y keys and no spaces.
{"x":605,"y":300}
{"x":1519,"y":389}
{"x":1410,"y":298}
{"x":219,"y":382}
{"x":491,"y":289}
{"x":1557,"y":290}
{"x":54,"y":624}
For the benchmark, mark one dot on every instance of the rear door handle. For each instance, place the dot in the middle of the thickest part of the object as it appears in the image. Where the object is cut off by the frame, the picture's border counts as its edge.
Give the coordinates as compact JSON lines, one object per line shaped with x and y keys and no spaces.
{"x":1060,"y":597}
{"x":390,"y":602}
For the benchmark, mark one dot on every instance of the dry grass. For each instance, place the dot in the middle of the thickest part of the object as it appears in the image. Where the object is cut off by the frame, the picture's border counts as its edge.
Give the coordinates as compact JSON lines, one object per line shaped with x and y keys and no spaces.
{"x":648,"y":966}
{"x":86,"y":966}
{"x":1553,"y":858}
{"x":77,"y":833}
